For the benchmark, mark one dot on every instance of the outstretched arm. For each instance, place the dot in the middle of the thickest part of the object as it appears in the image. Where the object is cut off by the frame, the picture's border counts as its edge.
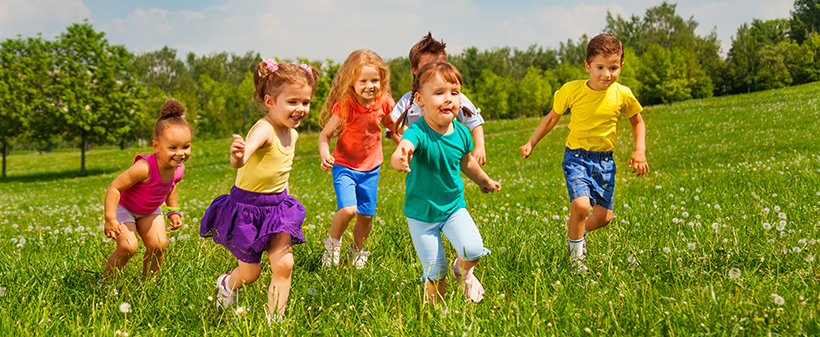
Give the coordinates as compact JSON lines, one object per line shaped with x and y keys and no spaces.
{"x":402,"y":156}
{"x":638,"y":159}
{"x":547,"y":124}
{"x":324,"y":143}
{"x":136,"y":173}
{"x":473,"y":171}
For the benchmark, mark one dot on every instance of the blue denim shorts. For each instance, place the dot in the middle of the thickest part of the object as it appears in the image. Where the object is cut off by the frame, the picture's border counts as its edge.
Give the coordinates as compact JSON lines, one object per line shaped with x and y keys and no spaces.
{"x":460,"y":230}
{"x":356,"y":188}
{"x":590,"y":174}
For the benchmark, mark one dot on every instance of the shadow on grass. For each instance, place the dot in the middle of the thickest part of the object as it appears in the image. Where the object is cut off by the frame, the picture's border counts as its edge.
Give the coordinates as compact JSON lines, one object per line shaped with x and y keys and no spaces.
{"x":53,"y":176}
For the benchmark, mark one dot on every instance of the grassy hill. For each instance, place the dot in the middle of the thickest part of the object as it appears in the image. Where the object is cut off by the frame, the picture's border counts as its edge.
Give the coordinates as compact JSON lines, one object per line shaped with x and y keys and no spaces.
{"x":720,"y":239}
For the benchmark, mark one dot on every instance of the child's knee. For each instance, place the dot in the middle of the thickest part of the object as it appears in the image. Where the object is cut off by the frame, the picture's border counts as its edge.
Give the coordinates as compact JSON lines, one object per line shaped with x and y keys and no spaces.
{"x":128,"y":248}
{"x":472,"y":251}
{"x":283,"y":267}
{"x":580,"y":206}
{"x":348,"y":211}
{"x":156,"y":245}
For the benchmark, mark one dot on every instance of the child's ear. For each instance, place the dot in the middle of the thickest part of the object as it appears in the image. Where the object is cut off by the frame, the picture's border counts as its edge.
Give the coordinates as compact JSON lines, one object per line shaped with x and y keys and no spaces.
{"x":586,"y":65}
{"x":268,"y":101}
{"x":417,"y":98}
{"x":155,"y":144}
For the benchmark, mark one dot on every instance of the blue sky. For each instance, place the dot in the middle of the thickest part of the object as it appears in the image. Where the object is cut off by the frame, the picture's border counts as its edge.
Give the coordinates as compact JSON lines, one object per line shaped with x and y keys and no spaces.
{"x":319,"y":29}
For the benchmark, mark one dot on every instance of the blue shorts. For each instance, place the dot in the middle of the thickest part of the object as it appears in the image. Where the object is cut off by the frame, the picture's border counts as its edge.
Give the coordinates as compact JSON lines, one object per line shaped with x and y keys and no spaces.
{"x":590,"y":174}
{"x":356,"y":188}
{"x":460,"y":230}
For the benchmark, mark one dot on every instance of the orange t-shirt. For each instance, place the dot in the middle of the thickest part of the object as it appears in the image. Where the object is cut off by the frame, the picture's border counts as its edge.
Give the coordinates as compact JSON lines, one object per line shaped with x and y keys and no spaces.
{"x":360,"y":145}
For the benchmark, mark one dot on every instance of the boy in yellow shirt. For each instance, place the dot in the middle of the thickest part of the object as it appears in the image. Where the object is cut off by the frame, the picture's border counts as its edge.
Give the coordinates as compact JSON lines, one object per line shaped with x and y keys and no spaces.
{"x":589,"y":169}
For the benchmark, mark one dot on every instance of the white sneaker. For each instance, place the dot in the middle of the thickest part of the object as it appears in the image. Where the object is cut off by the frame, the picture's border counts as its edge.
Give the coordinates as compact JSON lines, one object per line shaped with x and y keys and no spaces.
{"x":226,"y":298}
{"x":577,"y":262}
{"x":332,"y":252}
{"x":357,"y":257}
{"x":473,"y":290}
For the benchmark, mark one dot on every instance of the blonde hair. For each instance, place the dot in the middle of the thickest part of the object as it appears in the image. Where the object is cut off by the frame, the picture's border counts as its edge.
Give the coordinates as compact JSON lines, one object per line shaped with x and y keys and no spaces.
{"x":270,"y":82}
{"x":341,"y":90}
{"x":440,"y":67}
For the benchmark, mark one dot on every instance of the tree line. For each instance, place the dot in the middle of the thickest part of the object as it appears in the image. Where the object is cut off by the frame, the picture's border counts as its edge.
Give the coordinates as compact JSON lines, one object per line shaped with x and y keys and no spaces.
{"x":80,"y":89}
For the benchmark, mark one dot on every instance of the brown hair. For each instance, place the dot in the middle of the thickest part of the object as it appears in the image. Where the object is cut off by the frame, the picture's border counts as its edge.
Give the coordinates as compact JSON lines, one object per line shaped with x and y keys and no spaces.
{"x":269,"y":82}
{"x":341,"y":90}
{"x":440,"y":67}
{"x":171,"y":115}
{"x":605,"y":45}
{"x":427,"y":45}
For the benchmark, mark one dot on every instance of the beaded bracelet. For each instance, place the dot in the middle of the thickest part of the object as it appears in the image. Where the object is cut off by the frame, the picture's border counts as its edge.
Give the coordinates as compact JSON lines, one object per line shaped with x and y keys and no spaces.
{"x":173,"y":210}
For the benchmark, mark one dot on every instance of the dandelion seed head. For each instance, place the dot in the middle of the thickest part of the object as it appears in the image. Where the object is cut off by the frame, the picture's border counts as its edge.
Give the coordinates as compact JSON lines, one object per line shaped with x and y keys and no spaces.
{"x":125,"y":307}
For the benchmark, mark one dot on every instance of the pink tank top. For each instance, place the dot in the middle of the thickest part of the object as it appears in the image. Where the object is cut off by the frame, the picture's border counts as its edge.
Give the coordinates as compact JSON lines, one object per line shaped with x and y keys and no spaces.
{"x":145,"y":198}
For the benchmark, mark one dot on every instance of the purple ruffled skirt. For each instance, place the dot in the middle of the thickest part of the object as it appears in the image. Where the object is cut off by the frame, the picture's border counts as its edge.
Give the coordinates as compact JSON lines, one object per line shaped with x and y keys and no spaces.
{"x":244,"y":222}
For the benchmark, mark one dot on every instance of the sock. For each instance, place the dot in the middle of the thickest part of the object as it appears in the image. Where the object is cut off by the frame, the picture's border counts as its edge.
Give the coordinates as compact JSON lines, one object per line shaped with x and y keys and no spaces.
{"x":457,"y":269}
{"x":228,"y":284}
{"x":335,"y":241}
{"x":586,"y":231}
{"x":576,"y":248}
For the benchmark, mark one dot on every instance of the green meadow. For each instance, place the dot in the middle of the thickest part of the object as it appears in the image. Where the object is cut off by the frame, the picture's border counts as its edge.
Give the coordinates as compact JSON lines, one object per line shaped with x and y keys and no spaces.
{"x":721,"y":238}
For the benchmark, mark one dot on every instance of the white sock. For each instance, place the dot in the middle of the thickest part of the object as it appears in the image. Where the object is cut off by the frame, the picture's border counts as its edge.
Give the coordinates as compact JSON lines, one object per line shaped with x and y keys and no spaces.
{"x":228,"y":284}
{"x":457,"y":269}
{"x":576,"y":248}
{"x":335,"y":241}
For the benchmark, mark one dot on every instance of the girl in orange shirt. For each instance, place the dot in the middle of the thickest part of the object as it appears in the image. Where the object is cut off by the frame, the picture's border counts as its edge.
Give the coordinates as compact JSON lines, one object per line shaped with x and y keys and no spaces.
{"x":359,"y":99}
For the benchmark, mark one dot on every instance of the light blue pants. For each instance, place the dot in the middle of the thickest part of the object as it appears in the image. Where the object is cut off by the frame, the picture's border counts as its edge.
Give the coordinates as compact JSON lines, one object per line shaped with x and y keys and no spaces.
{"x":463,"y":234}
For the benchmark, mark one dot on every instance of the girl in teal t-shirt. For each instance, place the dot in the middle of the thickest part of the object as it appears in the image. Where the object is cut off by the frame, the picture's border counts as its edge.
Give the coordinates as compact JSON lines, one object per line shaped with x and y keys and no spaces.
{"x":433,"y":154}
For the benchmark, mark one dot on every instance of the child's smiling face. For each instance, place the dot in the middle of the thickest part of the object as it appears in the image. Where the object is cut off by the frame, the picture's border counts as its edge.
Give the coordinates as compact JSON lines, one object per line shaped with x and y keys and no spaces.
{"x":367,"y":86}
{"x":291,"y":106}
{"x":440,"y":101}
{"x":603,"y":71}
{"x":173,"y":147}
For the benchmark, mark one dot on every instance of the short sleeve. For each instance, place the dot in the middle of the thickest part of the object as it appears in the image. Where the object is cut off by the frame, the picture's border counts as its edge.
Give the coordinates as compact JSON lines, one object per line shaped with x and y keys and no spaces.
{"x":475,"y":119}
{"x":629,"y":104}
{"x":414,"y":135}
{"x":388,"y":104}
{"x":399,"y":107}
{"x":337,"y":109}
{"x":561,"y":102}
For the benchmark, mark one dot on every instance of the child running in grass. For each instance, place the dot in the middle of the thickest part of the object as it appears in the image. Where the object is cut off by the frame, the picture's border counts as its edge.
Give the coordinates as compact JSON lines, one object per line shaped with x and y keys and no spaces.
{"x":359,"y":99}
{"x":425,"y":51}
{"x":589,"y":169}
{"x":258,"y":215}
{"x":433,"y":152}
{"x":133,"y":200}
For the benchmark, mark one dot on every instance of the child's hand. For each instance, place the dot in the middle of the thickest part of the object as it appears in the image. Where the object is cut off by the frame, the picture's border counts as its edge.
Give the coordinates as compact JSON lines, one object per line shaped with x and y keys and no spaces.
{"x":491,"y":186}
{"x":638,"y":163}
{"x":525,"y":150}
{"x":479,"y":155}
{"x":112,"y":228}
{"x":237,"y":147}
{"x":406,"y":157}
{"x":327,"y":162}
{"x":176,"y":221}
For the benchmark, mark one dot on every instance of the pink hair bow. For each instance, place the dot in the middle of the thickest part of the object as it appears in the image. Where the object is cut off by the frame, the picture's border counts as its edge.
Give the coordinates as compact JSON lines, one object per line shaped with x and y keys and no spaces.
{"x":272,"y":65}
{"x":307,"y":68}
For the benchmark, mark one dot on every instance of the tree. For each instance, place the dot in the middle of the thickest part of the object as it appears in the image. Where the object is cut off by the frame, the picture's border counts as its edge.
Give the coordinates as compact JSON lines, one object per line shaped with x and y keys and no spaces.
{"x":227,"y":108}
{"x":743,"y":58}
{"x":94,"y":94}
{"x":24,"y":65}
{"x":805,"y":19}
{"x":491,"y":95}
{"x":534,"y":93}
{"x":663,"y":75}
{"x":572,"y":53}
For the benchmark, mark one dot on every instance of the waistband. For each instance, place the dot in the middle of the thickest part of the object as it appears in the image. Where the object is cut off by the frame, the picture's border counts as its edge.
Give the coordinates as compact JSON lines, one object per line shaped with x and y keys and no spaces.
{"x":589,"y":154}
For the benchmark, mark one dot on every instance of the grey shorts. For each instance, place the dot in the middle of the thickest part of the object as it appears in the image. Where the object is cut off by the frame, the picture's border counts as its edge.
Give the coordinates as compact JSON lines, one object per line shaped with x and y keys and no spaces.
{"x":124,"y":215}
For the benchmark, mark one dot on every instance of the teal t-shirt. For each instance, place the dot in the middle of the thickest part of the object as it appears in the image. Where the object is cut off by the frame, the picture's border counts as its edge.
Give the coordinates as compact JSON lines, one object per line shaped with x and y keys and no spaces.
{"x":434,"y":189}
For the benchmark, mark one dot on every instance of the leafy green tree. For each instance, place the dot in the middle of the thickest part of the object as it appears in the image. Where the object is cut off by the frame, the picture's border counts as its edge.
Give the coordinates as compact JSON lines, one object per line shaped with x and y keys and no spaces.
{"x":94,"y":94}
{"x":565,"y":72}
{"x":534,"y":94}
{"x":743,"y":58}
{"x":533,"y":56}
{"x":227,"y":108}
{"x":631,"y":32}
{"x":663,"y":76}
{"x":574,"y":53}
{"x":24,"y":66}
{"x":772,"y":73}
{"x":491,"y":95}
{"x":630,"y":72}
{"x":803,"y":61}
{"x":401,"y":77}
{"x":805,"y":19}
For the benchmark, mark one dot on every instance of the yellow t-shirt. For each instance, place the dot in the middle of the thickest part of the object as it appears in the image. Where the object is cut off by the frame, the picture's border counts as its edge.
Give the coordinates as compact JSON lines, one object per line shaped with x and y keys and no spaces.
{"x":267,"y":171}
{"x":593,"y":125}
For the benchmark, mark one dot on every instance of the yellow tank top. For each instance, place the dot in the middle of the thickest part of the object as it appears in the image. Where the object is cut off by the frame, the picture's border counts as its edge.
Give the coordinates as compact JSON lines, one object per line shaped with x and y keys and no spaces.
{"x":267,"y":171}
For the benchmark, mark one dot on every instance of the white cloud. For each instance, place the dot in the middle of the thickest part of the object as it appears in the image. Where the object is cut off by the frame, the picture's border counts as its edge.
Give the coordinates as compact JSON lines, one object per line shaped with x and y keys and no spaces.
{"x":551,"y":25}
{"x":30,"y":17}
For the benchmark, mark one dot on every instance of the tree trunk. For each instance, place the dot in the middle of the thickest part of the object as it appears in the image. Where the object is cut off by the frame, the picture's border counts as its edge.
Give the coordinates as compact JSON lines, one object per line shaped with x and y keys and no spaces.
{"x":82,"y":163}
{"x":5,"y":146}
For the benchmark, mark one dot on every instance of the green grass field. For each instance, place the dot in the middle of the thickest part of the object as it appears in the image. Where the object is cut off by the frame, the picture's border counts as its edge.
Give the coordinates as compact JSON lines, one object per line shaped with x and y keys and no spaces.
{"x":720,"y":239}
